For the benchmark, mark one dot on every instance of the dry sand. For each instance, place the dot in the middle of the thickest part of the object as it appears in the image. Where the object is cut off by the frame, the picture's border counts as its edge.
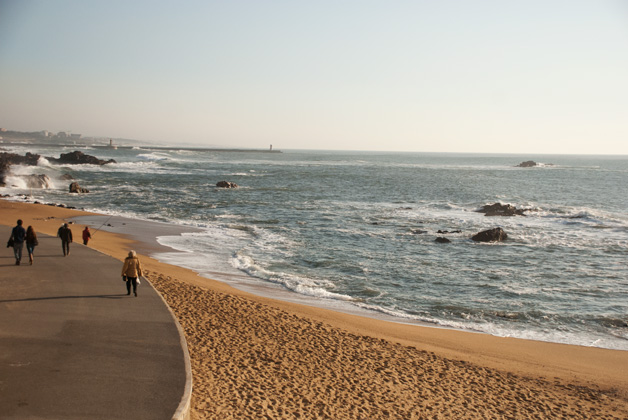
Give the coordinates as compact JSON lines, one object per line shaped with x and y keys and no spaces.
{"x":255,"y":357}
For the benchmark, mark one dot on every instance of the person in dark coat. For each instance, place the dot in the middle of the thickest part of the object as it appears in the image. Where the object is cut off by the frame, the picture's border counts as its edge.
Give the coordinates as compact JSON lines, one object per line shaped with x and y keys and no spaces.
{"x":65,"y":234}
{"x":18,"y":234}
{"x":31,"y":242}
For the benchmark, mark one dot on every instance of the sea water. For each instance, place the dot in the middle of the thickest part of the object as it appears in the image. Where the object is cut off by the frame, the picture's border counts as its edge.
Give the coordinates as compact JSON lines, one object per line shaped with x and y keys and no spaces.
{"x":359,"y":229}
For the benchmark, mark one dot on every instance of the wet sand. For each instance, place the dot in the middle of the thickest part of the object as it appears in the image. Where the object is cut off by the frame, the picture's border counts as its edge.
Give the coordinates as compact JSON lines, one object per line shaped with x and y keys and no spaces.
{"x":256,"y":357}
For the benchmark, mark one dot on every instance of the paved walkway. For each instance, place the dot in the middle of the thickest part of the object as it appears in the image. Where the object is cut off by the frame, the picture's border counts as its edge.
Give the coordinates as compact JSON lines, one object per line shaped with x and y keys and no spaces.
{"x":73,"y":345}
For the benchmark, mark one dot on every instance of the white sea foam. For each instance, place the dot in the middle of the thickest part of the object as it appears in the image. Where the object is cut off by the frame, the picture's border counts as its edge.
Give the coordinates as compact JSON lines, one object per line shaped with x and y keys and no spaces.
{"x":589,"y":339}
{"x":154,"y":156}
{"x":13,"y":181}
{"x":18,"y":176}
{"x":42,"y":161}
{"x":302,"y":285}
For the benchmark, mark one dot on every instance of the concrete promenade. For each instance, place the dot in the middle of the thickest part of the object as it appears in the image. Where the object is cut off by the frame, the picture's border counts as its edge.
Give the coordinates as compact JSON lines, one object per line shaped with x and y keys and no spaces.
{"x":73,"y":345}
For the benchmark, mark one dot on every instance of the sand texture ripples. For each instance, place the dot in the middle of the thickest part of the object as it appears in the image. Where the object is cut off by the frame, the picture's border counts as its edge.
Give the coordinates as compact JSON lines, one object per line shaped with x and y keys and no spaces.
{"x":251,"y":360}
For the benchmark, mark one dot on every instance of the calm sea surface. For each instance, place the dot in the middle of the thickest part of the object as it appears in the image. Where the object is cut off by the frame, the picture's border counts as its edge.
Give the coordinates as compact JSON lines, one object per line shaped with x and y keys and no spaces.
{"x":359,"y":228}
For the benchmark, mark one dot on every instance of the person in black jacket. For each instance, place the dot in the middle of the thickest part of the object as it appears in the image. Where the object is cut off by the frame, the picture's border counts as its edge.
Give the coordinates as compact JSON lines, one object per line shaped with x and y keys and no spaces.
{"x":18,"y":234}
{"x":65,"y":234}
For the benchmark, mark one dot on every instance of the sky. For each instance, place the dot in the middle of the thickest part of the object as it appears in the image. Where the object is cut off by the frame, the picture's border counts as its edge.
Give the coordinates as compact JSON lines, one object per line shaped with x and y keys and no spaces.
{"x":484,"y":76}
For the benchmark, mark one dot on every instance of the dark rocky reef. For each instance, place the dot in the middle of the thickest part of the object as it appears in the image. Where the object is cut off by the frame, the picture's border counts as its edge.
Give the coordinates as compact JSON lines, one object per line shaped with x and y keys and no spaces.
{"x":532,"y":164}
{"x":226,"y":184}
{"x":8,"y":159}
{"x":442,"y":240}
{"x":499,"y":209}
{"x":79,"y":158}
{"x":491,"y":235}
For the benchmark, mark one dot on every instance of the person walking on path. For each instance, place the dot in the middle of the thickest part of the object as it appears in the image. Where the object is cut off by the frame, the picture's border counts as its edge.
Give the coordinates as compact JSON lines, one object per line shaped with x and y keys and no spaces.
{"x":131,"y":270}
{"x":65,"y":234}
{"x":86,"y":235}
{"x":18,"y":234}
{"x":31,"y":242}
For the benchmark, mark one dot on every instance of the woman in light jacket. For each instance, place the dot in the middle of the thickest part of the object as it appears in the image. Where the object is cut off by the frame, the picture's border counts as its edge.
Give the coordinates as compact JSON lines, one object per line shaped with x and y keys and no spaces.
{"x":131,"y":271}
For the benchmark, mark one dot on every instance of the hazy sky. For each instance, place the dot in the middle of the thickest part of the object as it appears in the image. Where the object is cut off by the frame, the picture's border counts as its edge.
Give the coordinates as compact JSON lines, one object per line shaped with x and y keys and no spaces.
{"x":483,"y":76}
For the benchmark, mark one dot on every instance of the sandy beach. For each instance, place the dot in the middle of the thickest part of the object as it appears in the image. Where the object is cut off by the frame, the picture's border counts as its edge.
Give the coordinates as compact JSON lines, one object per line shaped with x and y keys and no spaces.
{"x":256,"y":357}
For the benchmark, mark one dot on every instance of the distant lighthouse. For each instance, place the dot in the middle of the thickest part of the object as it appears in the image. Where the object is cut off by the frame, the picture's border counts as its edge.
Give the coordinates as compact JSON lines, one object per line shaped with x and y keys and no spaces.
{"x":271,"y":147}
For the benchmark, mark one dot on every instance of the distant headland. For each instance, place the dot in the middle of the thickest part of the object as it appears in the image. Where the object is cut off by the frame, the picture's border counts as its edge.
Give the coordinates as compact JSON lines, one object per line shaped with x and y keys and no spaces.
{"x":69,"y":139}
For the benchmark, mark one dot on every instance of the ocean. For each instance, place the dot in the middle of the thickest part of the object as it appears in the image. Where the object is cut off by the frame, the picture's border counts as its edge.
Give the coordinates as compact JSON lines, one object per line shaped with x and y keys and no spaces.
{"x":357,"y":230}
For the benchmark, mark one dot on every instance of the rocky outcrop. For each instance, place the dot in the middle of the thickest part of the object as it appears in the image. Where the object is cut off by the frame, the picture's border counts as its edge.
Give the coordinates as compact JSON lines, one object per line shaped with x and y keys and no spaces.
{"x":527,"y":164}
{"x":31,"y":159}
{"x":444,"y":232}
{"x":499,"y":209}
{"x":442,"y":240}
{"x":8,"y":159}
{"x":79,"y":158}
{"x":75,"y":188}
{"x":491,"y":235}
{"x":226,"y":184}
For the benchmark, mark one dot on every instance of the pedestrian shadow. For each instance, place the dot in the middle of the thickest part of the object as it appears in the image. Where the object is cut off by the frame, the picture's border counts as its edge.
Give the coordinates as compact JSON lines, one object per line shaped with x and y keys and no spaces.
{"x":118,"y":296}
{"x":25,"y":259}
{"x":25,"y":255}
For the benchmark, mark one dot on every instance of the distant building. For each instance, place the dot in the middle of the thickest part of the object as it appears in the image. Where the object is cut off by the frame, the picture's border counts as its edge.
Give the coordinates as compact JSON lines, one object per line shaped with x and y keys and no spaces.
{"x":45,"y":133}
{"x":76,"y":136}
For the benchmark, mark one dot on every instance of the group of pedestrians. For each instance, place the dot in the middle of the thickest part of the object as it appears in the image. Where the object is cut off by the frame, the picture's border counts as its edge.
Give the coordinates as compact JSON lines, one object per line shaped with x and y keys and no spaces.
{"x":20,"y":236}
{"x":131,"y":270}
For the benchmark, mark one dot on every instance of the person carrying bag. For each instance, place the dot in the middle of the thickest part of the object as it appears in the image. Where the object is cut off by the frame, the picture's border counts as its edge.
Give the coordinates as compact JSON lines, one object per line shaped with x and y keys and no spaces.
{"x":131,"y":271}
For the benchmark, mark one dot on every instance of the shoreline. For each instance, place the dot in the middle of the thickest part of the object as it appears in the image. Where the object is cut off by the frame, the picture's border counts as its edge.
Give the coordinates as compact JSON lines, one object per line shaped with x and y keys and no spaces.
{"x":147,"y":234}
{"x":544,"y":367}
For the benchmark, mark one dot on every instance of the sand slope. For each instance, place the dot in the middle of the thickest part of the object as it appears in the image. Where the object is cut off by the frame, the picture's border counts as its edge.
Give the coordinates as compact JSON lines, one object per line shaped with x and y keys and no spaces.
{"x":251,"y":360}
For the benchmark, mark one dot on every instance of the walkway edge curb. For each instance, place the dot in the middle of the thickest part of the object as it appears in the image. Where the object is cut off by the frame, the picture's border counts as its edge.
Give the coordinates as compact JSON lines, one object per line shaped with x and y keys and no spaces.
{"x":183,"y":410}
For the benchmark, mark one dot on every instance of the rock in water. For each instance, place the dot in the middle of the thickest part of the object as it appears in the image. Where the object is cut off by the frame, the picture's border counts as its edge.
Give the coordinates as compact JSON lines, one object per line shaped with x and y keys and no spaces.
{"x":442,"y":240}
{"x":226,"y":184}
{"x":491,"y":235}
{"x":37,"y":181}
{"x":499,"y":209}
{"x":77,"y":189}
